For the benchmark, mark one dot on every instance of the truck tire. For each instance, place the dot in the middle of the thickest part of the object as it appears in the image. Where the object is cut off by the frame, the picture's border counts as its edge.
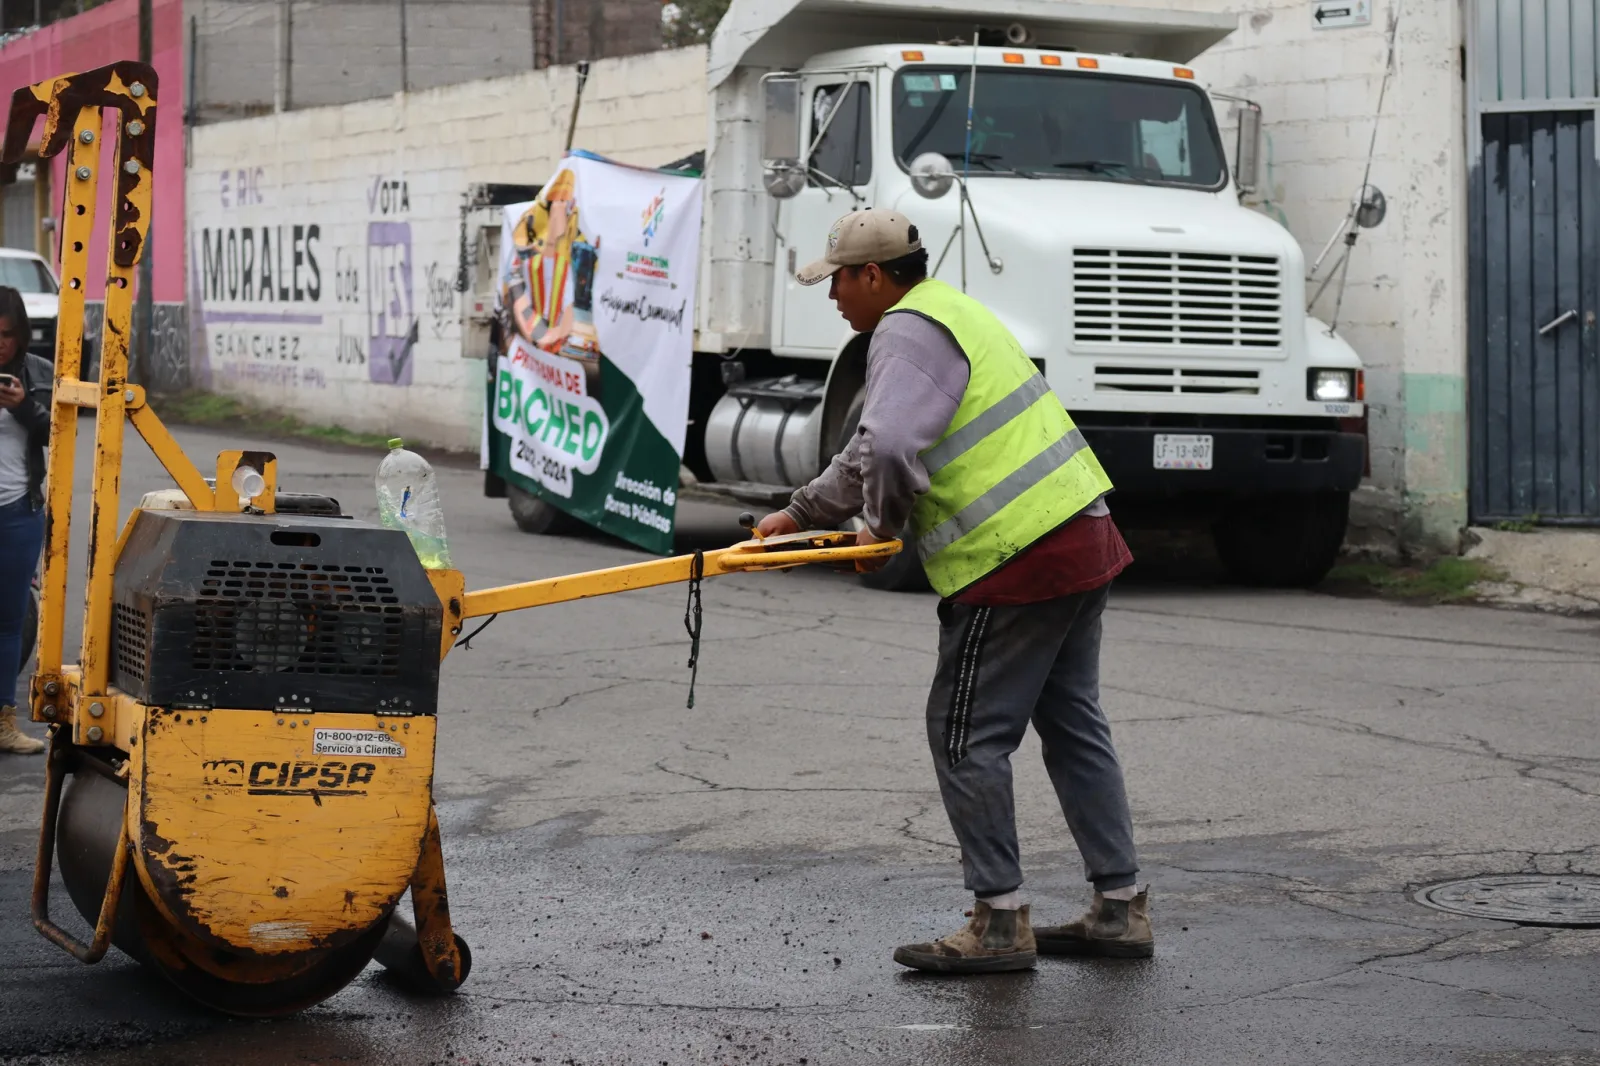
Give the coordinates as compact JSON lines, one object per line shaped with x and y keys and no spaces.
{"x":534,"y":514}
{"x":903,"y":572}
{"x":1283,"y":541}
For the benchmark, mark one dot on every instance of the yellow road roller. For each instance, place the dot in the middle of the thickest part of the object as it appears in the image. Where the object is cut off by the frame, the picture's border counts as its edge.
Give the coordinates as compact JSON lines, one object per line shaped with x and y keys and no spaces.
{"x":239,"y":787}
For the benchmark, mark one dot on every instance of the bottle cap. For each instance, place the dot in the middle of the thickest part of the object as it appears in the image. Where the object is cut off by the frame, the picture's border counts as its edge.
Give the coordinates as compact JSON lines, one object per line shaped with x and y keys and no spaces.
{"x":396,"y":442}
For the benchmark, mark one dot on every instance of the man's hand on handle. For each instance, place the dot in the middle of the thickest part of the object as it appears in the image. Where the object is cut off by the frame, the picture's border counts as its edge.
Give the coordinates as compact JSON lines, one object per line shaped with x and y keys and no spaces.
{"x":866,"y":566}
{"x":778,"y":524}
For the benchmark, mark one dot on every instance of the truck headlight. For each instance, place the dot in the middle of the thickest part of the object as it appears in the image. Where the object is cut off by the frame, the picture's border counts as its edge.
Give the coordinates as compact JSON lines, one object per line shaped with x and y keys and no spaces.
{"x":1331,"y":386}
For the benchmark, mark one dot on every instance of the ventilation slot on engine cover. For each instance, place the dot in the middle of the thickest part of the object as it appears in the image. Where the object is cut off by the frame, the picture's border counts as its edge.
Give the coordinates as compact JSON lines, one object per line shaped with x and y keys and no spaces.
{"x":298,"y":618}
{"x":129,"y":649}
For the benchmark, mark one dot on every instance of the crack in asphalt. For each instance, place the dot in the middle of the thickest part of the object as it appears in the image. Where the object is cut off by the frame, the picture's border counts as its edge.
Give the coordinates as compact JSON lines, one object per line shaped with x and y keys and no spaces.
{"x":1118,"y":721}
{"x":1298,"y":888}
{"x":1265,"y":651}
{"x":703,"y":683}
{"x":1212,"y":619}
{"x":1325,"y":908}
{"x":1499,"y":851}
{"x":1501,"y":996}
{"x":905,"y":830}
{"x":1526,"y":767}
{"x":1326,"y":720}
{"x":563,"y":701}
{"x":712,"y":786}
{"x":814,"y":1008}
{"x":1354,"y":967}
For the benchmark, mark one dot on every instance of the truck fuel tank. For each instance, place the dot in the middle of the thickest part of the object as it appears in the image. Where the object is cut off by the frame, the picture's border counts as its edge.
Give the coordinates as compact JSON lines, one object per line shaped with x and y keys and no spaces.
{"x":765,"y":432}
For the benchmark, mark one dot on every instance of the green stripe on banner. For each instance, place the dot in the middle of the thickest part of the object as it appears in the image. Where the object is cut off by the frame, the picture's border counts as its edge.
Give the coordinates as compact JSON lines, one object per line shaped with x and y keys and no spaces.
{"x":633,"y":493}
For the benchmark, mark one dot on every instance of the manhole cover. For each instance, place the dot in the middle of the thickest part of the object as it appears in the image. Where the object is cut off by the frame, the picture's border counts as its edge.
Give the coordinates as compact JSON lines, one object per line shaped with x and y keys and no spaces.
{"x":1527,"y":899}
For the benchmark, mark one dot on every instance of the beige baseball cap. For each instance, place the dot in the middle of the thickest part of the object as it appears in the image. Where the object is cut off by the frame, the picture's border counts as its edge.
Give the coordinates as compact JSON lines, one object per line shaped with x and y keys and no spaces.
{"x":861,"y":237}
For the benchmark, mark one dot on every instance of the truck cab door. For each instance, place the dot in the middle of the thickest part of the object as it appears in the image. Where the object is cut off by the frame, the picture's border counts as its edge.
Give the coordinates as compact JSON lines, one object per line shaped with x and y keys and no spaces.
{"x":837,"y":125}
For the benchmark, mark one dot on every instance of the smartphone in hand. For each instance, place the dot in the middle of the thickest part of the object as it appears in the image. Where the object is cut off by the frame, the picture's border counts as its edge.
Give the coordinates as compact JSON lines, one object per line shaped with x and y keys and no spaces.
{"x":10,"y":381}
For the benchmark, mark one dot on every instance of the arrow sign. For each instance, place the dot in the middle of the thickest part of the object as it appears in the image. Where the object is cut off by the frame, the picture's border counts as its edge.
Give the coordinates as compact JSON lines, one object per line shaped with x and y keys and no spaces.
{"x":1340,"y":14}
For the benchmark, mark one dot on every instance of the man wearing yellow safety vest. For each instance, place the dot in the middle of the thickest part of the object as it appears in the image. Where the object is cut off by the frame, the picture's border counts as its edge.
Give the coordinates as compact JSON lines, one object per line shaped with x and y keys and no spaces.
{"x":963,"y":444}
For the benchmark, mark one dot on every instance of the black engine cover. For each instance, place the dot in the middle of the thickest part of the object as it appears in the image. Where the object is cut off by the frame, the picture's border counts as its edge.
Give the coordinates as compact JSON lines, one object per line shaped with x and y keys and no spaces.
{"x":276,"y":611}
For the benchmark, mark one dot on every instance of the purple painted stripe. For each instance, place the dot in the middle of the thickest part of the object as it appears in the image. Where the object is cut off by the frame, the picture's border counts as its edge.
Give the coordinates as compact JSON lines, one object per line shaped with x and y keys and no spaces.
{"x":286,"y":318}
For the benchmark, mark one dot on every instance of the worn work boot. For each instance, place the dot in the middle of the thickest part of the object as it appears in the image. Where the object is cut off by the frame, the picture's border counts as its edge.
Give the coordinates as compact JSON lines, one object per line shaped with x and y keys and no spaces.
{"x":1112,"y":928}
{"x":13,"y":739}
{"x":992,"y":942}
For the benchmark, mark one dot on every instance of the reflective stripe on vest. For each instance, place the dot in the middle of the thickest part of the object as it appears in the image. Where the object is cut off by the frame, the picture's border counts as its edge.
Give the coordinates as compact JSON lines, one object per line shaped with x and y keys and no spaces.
{"x":1010,"y":487}
{"x":964,"y":439}
{"x":1010,"y":467}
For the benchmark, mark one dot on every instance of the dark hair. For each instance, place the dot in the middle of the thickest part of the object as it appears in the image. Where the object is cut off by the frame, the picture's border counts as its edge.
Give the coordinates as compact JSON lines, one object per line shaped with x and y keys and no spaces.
{"x":906,"y":270}
{"x":12,"y":307}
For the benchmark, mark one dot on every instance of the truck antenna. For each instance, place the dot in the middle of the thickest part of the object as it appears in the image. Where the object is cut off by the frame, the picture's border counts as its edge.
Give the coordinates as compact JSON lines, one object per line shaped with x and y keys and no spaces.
{"x":966,"y":156}
{"x":1368,"y":206}
{"x":965,"y":206}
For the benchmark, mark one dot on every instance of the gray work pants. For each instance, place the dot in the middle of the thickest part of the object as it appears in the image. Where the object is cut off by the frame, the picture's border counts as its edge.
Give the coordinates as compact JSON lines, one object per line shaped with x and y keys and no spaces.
{"x":1000,"y":668}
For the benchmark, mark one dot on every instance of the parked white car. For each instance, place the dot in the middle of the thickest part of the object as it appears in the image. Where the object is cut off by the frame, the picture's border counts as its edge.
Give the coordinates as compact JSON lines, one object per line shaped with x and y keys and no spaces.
{"x":30,"y":275}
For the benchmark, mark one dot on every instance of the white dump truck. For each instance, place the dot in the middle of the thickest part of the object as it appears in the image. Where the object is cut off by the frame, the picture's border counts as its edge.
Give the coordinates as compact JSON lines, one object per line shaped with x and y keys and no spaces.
{"x":1064,"y":166}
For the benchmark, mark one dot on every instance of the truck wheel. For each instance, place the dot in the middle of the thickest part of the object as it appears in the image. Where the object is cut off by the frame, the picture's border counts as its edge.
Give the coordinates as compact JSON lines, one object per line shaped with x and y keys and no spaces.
{"x":1283,"y":541}
{"x":535,"y":514}
{"x":903,"y":572}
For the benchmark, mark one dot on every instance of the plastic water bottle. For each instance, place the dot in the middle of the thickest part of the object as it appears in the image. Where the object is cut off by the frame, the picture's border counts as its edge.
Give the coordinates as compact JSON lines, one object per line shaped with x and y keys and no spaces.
{"x":408,"y":499}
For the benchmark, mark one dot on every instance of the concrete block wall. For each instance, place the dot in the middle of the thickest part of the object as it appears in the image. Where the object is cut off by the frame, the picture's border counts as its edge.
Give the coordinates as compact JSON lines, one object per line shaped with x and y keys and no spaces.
{"x":592,"y":29}
{"x":360,"y":206}
{"x":1405,"y":306}
{"x":236,"y":56}
{"x":254,"y":56}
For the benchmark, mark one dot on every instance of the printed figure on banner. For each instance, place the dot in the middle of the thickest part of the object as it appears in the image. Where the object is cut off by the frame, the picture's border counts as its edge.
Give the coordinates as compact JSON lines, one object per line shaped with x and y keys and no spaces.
{"x":549,"y":290}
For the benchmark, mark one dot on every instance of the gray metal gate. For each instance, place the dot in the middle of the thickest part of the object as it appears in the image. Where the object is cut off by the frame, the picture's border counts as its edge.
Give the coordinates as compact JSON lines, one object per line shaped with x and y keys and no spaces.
{"x":1535,"y":289}
{"x":1534,"y":261}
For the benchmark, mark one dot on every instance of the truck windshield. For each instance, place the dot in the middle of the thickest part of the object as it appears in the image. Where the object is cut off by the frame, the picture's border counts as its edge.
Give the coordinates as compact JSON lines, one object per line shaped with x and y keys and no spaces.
{"x":25,"y":275}
{"x":1086,"y":127}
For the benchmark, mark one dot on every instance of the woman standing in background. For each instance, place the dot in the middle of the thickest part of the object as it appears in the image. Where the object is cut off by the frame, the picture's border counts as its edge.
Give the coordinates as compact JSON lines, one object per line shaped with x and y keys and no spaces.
{"x":25,"y":385}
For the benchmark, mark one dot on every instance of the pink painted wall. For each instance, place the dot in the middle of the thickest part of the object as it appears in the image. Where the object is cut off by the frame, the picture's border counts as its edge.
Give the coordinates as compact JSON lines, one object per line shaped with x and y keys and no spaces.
{"x":99,"y":36}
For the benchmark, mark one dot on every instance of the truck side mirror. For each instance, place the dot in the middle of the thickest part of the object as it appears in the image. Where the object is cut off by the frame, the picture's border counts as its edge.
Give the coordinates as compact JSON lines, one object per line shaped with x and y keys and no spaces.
{"x":783,"y":169}
{"x":932,"y":175}
{"x":1372,"y":208}
{"x":1247,"y":150}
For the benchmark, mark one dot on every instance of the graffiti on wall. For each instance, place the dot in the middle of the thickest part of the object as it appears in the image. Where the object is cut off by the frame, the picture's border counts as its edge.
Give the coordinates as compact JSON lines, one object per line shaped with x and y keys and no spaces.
{"x":392,"y":325}
{"x":298,"y":289}
{"x":168,"y":369}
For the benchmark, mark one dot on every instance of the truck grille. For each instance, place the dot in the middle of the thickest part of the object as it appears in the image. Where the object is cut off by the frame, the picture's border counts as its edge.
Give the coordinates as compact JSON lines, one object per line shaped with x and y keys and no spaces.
{"x":1176,"y":299}
{"x":1170,"y":379}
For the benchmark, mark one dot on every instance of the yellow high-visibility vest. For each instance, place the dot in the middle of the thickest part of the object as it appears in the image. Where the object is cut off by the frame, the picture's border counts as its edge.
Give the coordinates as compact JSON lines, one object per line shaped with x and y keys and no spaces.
{"x":1010,"y":467}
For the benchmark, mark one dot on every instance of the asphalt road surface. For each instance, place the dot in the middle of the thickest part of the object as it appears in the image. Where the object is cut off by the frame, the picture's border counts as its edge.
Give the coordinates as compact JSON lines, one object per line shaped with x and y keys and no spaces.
{"x":641,"y":883}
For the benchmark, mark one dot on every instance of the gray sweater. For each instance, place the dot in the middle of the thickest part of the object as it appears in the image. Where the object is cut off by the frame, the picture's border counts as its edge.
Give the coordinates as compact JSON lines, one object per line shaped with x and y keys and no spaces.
{"x":916,"y":374}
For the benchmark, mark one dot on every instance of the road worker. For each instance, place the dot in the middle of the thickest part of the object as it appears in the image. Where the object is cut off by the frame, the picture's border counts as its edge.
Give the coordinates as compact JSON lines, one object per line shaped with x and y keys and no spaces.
{"x":963,"y":445}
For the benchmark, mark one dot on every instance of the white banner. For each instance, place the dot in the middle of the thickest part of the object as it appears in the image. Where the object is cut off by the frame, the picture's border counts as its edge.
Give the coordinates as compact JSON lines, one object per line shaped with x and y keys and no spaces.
{"x":591,"y":395}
